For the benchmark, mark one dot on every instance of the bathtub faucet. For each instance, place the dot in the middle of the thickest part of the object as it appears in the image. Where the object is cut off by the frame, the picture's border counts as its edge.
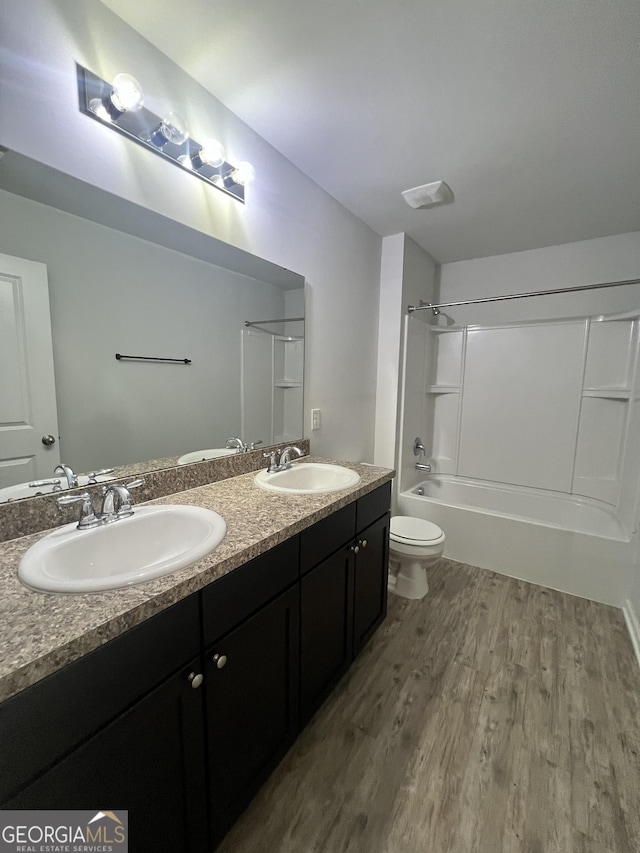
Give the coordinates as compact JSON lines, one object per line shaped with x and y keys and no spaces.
{"x":423,"y":466}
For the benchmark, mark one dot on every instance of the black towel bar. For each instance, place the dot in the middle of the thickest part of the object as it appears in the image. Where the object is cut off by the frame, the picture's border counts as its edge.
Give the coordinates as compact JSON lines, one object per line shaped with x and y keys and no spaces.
{"x":120,"y":357}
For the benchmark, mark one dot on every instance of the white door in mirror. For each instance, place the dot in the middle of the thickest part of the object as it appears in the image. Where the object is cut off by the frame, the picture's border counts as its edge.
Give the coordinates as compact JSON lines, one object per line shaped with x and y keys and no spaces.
{"x":28,"y":414}
{"x":306,"y":478}
{"x":153,"y":542}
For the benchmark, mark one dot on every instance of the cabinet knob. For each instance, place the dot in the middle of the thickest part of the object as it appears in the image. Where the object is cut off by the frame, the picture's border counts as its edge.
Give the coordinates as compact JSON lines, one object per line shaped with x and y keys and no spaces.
{"x":355,"y":549}
{"x":220,"y":661}
{"x":195,"y":679}
{"x":363,"y":543}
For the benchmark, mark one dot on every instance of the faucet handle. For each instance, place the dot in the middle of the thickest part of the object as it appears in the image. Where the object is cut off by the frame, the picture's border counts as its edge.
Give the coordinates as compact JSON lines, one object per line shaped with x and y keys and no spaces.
{"x":273,"y":456}
{"x":93,"y":475}
{"x":88,"y":517}
{"x":418,"y":447}
{"x":134,"y":484}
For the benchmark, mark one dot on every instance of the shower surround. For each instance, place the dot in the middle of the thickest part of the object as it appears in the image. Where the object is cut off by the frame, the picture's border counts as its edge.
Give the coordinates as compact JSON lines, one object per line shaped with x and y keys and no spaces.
{"x":532,"y":431}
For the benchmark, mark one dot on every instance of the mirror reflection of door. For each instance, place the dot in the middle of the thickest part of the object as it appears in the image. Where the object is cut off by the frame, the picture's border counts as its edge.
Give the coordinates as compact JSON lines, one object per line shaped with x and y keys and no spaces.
{"x":28,"y":415}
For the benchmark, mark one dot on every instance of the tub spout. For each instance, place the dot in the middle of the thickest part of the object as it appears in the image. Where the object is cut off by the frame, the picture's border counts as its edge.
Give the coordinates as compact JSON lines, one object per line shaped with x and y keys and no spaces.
{"x":423,"y":466}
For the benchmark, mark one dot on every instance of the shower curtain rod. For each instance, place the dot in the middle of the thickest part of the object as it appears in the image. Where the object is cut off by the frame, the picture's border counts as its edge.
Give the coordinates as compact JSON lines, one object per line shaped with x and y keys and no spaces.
{"x":281,"y":320}
{"x":423,"y":306}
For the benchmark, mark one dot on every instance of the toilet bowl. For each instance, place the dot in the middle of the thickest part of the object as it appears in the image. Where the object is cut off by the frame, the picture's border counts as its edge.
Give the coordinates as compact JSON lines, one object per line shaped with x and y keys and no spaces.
{"x":414,"y":544}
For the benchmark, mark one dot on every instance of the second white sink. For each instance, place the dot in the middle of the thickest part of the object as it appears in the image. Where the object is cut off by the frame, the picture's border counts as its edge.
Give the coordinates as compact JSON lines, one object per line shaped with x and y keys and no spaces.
{"x":153,"y":542}
{"x":305,"y":478}
{"x":202,"y":455}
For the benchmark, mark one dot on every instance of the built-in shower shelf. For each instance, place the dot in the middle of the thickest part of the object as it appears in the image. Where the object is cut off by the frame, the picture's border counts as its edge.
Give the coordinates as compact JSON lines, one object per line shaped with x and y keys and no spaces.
{"x":287,"y":383}
{"x":607,"y":393}
{"x":442,"y":389}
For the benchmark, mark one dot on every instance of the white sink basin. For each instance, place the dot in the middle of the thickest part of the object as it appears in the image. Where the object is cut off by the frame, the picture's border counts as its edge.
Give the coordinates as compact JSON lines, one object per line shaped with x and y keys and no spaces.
{"x":24,"y":490}
{"x":153,"y":542}
{"x":306,"y":478}
{"x":201,"y":455}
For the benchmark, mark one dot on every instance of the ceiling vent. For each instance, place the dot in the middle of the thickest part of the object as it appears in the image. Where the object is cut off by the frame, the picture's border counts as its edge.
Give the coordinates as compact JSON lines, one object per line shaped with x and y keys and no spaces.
{"x":428,"y":195}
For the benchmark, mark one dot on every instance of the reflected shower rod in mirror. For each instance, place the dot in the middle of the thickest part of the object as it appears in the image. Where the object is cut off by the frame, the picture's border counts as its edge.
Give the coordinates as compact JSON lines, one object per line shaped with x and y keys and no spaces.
{"x":281,"y":320}
{"x":423,"y":306}
{"x":118,"y":105}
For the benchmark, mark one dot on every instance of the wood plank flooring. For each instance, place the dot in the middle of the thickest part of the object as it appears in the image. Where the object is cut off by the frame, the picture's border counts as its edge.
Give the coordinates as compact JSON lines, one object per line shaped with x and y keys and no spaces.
{"x":493,"y":716}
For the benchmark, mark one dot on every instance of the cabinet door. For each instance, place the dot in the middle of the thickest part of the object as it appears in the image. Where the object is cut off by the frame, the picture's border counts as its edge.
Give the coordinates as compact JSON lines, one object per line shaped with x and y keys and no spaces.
{"x":150,"y":761}
{"x":251,"y":705}
{"x":370,"y":581}
{"x":326,"y":596}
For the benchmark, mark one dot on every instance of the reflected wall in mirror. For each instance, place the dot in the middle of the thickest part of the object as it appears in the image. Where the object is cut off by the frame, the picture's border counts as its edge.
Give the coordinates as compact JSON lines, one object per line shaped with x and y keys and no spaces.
{"x":113,"y":292}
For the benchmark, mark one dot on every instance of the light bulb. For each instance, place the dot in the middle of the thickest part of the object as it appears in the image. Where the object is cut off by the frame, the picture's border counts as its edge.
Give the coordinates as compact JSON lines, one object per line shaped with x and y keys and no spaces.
{"x":243,"y":173}
{"x":126,"y":93}
{"x":172,"y":128}
{"x":211,"y":153}
{"x":97,"y":106}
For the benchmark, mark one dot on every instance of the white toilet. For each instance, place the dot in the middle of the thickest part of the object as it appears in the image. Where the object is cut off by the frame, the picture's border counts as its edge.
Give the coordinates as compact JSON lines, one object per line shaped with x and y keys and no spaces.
{"x":414,"y":544}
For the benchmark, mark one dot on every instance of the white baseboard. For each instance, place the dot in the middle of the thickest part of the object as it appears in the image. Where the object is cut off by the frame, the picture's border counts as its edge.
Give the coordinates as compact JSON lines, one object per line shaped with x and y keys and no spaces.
{"x":633,"y":624}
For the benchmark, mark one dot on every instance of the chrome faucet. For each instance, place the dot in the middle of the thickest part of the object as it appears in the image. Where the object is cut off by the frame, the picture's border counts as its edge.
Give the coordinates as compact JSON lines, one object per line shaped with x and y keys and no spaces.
{"x":116,"y":504}
{"x":420,"y":450}
{"x":285,"y":456}
{"x":66,"y":471}
{"x":117,"y":500}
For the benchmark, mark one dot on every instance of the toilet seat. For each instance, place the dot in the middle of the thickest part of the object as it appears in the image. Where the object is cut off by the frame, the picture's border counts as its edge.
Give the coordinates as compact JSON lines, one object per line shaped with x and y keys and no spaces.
{"x":406,"y":530}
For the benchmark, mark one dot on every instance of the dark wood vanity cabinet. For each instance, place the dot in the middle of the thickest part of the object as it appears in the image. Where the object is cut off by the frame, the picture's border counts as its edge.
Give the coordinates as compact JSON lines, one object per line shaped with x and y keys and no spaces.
{"x":182,"y":718}
{"x":250,"y":622}
{"x":343,"y":592}
{"x":370,"y":570}
{"x":251,"y":706}
{"x":149,"y":760}
{"x":117,"y":727}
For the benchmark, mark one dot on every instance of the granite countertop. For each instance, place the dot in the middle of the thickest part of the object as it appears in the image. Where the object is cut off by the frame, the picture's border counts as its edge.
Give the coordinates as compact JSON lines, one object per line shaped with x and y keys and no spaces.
{"x":41,"y":632}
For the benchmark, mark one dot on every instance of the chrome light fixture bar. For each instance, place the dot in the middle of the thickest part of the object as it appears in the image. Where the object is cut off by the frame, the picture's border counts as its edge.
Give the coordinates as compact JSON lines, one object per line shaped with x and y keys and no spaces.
{"x":119,"y":105}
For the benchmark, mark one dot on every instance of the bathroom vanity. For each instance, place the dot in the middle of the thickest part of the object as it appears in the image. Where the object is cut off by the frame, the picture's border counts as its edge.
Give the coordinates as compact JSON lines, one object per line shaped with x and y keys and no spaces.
{"x":206,"y":677}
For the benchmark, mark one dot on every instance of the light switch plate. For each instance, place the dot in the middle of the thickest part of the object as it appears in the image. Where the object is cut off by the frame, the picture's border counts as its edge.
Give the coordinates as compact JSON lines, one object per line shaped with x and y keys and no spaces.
{"x":315,"y":418}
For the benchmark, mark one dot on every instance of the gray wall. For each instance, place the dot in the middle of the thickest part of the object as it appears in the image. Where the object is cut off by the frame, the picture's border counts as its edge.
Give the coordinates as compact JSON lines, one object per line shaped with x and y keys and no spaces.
{"x":111,"y":292}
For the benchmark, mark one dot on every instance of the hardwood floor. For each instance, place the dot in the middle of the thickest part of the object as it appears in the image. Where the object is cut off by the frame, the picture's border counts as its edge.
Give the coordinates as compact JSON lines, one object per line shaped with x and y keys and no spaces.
{"x":493,"y":716}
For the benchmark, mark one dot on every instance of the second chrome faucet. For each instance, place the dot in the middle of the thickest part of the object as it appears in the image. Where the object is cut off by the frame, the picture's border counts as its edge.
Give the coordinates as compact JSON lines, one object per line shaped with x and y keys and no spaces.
{"x":280,"y":460}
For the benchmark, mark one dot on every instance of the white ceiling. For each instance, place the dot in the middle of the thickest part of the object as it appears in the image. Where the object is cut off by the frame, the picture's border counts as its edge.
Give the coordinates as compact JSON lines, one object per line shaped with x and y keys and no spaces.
{"x":529,"y":110}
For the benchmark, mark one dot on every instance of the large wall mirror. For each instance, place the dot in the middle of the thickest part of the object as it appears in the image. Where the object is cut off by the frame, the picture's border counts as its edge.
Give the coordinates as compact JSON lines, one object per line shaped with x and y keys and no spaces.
{"x":122,"y":280}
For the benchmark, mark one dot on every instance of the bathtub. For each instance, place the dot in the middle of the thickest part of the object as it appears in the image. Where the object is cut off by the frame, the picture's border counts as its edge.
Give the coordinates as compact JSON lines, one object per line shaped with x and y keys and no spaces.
{"x":571,"y":544}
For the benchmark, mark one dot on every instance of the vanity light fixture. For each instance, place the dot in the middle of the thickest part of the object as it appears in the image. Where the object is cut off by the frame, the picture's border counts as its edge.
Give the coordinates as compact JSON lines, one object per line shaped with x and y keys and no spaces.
{"x":119,"y":105}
